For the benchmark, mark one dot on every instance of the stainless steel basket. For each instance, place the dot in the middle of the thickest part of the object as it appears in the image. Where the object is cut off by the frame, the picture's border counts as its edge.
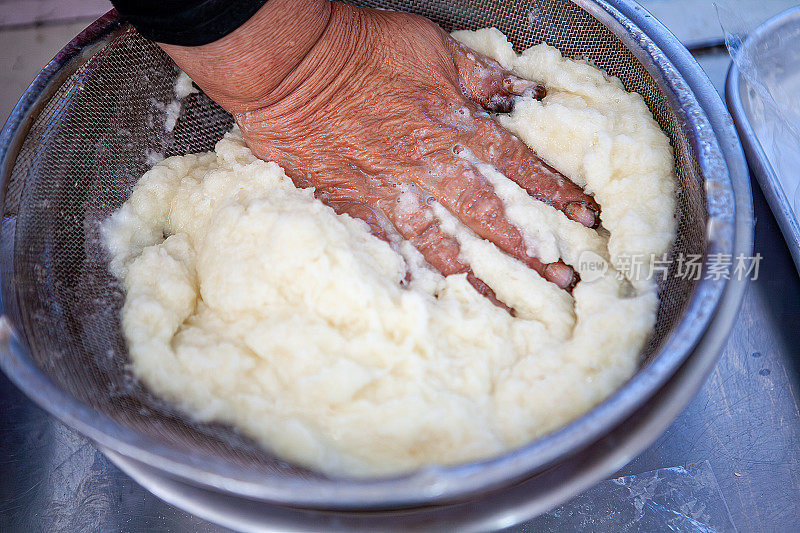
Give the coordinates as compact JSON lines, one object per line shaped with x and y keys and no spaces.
{"x":81,"y":135}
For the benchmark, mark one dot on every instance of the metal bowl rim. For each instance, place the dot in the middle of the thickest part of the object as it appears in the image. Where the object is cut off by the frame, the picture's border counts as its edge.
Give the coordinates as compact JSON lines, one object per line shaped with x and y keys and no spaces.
{"x":434,"y":484}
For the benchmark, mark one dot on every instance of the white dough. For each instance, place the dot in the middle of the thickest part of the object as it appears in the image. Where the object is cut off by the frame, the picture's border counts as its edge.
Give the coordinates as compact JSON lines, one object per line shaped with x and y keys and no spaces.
{"x":183,"y":86}
{"x":266,"y":310}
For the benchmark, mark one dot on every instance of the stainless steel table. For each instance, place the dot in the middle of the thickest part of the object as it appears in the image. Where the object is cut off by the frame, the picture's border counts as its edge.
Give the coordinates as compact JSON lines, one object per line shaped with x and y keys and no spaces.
{"x":738,"y":441}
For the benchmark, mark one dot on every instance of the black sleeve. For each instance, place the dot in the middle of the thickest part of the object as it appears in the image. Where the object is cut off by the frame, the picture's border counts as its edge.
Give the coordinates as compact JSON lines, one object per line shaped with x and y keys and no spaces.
{"x":186,"y":22}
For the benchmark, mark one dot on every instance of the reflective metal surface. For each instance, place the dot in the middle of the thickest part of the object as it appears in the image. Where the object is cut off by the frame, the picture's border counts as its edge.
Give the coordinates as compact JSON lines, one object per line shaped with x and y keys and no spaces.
{"x":744,"y":424}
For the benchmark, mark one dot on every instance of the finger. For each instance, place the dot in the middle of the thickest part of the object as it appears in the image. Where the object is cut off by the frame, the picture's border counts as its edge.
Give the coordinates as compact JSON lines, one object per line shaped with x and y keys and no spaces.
{"x":440,"y":251}
{"x":360,"y":211}
{"x":513,"y":158}
{"x":468,"y":195}
{"x":487,"y":292}
{"x":487,"y":83}
{"x":421,"y":228}
{"x":342,"y":204}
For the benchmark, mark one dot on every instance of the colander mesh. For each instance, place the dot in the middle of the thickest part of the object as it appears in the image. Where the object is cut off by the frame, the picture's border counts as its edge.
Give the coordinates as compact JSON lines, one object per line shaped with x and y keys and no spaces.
{"x":92,"y":142}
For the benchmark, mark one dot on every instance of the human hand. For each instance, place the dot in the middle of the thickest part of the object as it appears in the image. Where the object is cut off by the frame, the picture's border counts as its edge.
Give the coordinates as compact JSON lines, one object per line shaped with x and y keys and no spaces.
{"x":379,"y":114}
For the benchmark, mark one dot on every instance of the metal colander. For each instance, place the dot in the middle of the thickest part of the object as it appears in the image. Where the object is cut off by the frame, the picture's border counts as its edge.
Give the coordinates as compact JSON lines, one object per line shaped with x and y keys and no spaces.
{"x":83,"y":135}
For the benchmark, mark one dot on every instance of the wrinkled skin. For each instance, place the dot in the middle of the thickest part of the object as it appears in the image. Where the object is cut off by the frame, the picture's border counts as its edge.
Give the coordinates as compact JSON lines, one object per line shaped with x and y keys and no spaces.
{"x":378,"y":117}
